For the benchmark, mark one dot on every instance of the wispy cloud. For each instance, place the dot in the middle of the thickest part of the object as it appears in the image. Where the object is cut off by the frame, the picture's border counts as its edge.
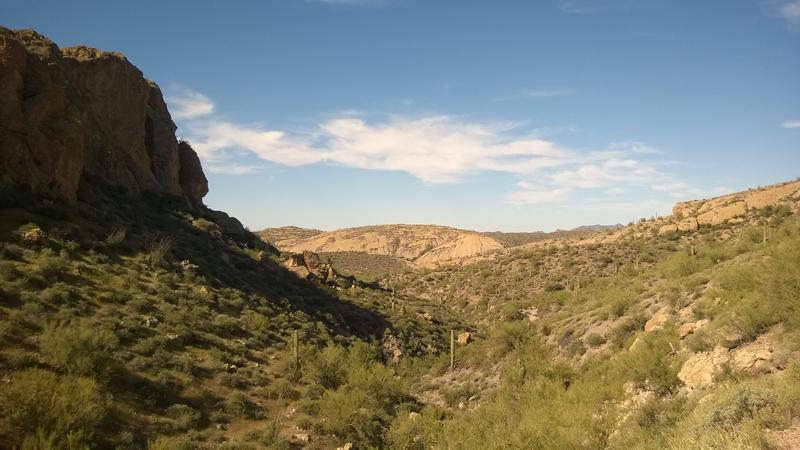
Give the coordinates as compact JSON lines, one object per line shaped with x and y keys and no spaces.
{"x":533,"y":93}
{"x":188,"y":104}
{"x":791,"y":124}
{"x":435,"y":149}
{"x":791,"y":12}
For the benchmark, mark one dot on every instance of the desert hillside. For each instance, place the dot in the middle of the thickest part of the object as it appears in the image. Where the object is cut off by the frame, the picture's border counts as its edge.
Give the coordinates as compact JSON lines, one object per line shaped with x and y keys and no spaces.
{"x":287,"y":237}
{"x":423,"y":245}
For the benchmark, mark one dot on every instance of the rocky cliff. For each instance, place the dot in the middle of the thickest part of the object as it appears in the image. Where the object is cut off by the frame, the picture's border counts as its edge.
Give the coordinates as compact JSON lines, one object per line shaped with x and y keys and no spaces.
{"x":80,"y":115}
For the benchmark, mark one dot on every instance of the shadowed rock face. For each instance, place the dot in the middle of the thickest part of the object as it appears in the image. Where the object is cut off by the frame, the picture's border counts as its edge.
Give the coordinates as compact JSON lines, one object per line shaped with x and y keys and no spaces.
{"x":76,"y":113}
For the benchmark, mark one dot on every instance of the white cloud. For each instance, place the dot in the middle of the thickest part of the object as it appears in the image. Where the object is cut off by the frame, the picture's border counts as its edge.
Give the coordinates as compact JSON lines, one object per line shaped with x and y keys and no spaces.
{"x":435,"y":149}
{"x":791,"y":124}
{"x":791,"y":12}
{"x":190,"y":105}
{"x":231,"y":169}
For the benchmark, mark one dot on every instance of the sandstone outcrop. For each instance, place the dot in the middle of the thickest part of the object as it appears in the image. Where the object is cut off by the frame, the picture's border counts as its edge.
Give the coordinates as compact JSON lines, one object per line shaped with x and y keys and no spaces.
{"x":77,"y":115}
{"x":425,"y":245}
{"x":737,"y":207}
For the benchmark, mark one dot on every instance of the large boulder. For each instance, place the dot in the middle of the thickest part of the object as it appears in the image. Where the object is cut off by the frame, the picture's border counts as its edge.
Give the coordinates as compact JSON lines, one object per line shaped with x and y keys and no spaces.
{"x":716,"y":216}
{"x":688,"y":225}
{"x":667,"y":229}
{"x":701,"y":369}
{"x":659,"y":320}
{"x":81,"y":114}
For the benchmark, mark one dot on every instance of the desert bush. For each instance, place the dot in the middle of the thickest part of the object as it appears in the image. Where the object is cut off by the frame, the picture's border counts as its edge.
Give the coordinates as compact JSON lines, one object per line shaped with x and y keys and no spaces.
{"x":595,"y":340}
{"x":651,"y":362}
{"x":238,"y":405}
{"x":185,"y":417}
{"x":11,"y":251}
{"x":79,"y":347}
{"x":50,"y":268}
{"x":254,"y":322}
{"x":328,"y":367}
{"x":116,"y":237}
{"x":39,"y":407}
{"x":682,"y":264}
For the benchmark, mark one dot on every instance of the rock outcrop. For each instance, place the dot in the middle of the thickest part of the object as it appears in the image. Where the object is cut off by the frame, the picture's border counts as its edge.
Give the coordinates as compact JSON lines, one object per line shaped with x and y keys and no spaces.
{"x":424,"y":245}
{"x":77,"y":114}
{"x":308,"y":265}
{"x":689,"y":216}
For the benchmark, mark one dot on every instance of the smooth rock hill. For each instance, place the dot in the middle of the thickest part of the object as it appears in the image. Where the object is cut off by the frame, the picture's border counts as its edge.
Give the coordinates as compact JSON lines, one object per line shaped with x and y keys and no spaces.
{"x":424,"y":245}
{"x":80,"y":115}
{"x":285,"y":237}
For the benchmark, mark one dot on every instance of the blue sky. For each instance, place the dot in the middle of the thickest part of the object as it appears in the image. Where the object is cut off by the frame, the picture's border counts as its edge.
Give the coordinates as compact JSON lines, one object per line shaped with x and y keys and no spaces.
{"x":488,"y":115}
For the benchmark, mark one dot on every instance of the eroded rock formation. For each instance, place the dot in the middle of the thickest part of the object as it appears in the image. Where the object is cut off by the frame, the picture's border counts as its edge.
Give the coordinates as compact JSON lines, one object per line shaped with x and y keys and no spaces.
{"x":68,"y":115}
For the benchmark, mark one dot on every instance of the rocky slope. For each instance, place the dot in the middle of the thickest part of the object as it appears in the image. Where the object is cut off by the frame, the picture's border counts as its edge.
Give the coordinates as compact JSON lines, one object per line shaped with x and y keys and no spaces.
{"x":732,"y":208}
{"x":424,"y":245}
{"x":79,"y":115}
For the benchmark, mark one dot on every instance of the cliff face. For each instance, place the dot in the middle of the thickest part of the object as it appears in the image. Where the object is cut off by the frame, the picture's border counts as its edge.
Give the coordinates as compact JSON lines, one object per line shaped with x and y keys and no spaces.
{"x":68,"y":115}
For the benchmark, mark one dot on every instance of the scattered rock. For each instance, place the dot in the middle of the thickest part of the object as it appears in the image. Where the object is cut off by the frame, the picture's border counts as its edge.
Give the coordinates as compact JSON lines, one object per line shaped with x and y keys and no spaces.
{"x":668,"y":229}
{"x":688,"y":225}
{"x":755,"y":358}
{"x":700,"y":370}
{"x":150,"y":322}
{"x":729,"y":337}
{"x":532,"y":313}
{"x":689,"y":328}
{"x":658,"y":320}
{"x":303,"y":438}
{"x":347,"y":446}
{"x":464,"y":338}
{"x":187,"y":266}
{"x":413,"y":416}
{"x":34,"y":236}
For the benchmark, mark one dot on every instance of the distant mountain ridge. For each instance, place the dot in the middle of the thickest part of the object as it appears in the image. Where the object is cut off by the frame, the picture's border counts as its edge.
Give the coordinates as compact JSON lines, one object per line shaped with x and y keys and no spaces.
{"x":424,"y":245}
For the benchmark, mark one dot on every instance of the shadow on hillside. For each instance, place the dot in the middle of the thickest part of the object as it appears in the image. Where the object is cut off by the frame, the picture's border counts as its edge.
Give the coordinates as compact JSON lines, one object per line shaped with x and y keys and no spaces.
{"x":229,"y":256}
{"x":225,"y":253}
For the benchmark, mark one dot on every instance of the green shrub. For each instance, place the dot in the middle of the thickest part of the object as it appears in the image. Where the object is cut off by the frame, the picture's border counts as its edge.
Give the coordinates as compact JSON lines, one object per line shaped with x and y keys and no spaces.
{"x":595,"y":340}
{"x":50,"y":268}
{"x":238,"y":405}
{"x":328,"y":367}
{"x":651,"y":362}
{"x":185,"y":417}
{"x":41,"y":407}
{"x":79,"y":347}
{"x":116,"y":237}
